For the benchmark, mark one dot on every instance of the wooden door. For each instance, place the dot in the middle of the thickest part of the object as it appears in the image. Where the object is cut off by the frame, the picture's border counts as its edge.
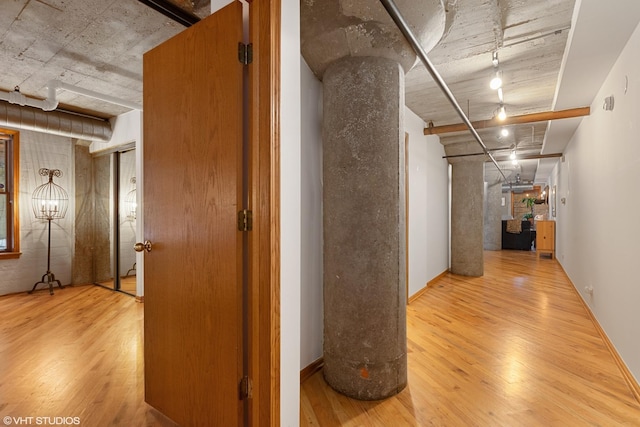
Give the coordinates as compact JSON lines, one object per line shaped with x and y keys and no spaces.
{"x":193,"y":133}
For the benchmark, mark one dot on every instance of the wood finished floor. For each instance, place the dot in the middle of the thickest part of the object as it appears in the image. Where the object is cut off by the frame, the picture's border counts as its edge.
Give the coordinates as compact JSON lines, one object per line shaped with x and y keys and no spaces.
{"x":127,"y":284}
{"x":513,"y":348}
{"x":77,"y":353}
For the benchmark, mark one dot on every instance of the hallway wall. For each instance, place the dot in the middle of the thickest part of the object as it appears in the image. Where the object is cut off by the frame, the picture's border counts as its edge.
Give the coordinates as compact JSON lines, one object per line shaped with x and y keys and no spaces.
{"x":428,"y":193}
{"x":597,"y":237}
{"x":311,"y":309}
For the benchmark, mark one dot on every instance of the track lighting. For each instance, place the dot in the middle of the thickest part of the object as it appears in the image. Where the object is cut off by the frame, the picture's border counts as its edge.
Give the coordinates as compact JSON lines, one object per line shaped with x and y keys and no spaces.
{"x":502,"y":113}
{"x":504,"y":132}
{"x":496,"y":82}
{"x":512,"y":156}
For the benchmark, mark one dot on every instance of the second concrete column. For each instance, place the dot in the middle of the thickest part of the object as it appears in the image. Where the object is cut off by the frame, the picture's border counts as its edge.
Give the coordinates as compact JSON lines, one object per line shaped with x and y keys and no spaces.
{"x":467,"y":195}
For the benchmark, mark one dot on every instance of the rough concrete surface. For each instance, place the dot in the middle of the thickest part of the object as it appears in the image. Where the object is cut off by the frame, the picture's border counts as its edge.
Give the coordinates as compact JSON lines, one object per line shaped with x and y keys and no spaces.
{"x":364,"y":228}
{"x":467,"y":194}
{"x":493,"y":217}
{"x":334,"y":29}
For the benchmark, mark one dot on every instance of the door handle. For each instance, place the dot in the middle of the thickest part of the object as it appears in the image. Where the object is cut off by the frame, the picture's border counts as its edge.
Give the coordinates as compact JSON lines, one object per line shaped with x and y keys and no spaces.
{"x":139,"y":247}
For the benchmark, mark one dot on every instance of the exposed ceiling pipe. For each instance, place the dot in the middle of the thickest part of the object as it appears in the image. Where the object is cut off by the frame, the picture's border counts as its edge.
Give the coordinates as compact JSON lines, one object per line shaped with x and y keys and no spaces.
{"x":172,"y":11}
{"x":404,"y":28}
{"x":54,"y":122}
{"x":517,"y":188}
{"x":55,"y":85}
{"x":51,"y":102}
{"x":18,"y":98}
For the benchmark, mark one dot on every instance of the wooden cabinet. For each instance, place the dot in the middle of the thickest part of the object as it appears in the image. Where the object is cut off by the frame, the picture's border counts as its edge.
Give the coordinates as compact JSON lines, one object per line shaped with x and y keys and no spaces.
{"x":546,"y":238}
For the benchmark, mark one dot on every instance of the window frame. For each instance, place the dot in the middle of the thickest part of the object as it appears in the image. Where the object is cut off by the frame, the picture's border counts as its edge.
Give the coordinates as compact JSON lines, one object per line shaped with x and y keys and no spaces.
{"x":13,"y":187}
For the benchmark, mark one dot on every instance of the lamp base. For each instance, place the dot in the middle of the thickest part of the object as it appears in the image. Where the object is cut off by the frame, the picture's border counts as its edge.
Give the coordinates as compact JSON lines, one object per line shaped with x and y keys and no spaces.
{"x":48,"y":279}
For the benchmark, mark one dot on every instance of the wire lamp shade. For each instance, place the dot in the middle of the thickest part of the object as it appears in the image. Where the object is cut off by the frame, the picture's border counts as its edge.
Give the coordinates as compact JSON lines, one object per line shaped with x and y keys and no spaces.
{"x":49,"y":201}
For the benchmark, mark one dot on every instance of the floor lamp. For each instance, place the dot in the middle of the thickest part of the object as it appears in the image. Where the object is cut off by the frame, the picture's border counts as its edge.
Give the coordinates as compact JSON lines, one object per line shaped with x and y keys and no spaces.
{"x":49,"y":201}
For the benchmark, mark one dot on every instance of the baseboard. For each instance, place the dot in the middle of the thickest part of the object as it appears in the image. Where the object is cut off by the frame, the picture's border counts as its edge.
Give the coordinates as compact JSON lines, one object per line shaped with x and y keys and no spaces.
{"x":140,"y":299}
{"x":314,"y":367}
{"x":631,"y":381}
{"x":418,"y":294}
{"x":431,"y":282}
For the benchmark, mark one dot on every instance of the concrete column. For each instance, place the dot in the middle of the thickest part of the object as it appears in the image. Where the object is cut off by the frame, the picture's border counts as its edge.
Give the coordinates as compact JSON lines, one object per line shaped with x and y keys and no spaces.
{"x":493,"y":216}
{"x":361,"y":56}
{"x":467,"y":195}
{"x":82,"y":265}
{"x":364,"y":228}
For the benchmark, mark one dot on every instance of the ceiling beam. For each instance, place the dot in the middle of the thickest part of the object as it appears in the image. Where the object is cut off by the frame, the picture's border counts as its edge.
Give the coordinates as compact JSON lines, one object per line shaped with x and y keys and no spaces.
{"x":514,"y":120}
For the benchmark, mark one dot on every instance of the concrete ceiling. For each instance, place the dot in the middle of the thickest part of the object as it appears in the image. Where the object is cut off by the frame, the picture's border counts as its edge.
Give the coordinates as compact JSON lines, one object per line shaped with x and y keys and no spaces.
{"x":93,"y":44}
{"x":553,"y":54}
{"x":529,"y":38}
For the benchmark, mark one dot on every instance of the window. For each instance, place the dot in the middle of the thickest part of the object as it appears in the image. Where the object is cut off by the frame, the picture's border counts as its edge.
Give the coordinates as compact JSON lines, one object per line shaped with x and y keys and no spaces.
{"x":9,"y":168}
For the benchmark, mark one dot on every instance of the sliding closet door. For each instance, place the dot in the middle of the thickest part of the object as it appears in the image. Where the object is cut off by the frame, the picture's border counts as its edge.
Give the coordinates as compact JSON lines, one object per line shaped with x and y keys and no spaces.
{"x":103,"y":222}
{"x":115,"y":211}
{"x":126,"y":222}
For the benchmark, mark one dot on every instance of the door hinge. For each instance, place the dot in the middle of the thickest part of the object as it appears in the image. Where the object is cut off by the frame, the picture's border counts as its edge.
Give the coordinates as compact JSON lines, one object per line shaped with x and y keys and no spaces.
{"x":245,"y":220}
{"x":246,"y":387}
{"x":245,"y":53}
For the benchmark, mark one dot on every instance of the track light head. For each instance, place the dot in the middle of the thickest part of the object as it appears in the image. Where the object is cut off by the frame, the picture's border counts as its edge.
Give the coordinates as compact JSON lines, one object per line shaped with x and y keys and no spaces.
{"x":502,"y":113}
{"x":496,"y":82}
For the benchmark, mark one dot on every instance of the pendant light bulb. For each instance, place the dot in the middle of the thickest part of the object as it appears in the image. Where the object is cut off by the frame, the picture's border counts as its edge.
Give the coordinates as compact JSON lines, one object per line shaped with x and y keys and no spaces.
{"x":496,"y":82}
{"x":502,"y":113}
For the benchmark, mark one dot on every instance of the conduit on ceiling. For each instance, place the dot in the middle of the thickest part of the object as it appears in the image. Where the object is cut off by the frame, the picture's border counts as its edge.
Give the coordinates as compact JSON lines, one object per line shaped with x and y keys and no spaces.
{"x":24,"y":114}
{"x":54,"y":122}
{"x":172,"y":11}
{"x":404,"y":28}
{"x":51,"y":102}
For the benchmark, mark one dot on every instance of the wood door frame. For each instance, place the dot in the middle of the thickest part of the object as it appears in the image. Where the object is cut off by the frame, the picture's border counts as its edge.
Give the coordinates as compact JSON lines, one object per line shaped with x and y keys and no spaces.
{"x":264,"y":189}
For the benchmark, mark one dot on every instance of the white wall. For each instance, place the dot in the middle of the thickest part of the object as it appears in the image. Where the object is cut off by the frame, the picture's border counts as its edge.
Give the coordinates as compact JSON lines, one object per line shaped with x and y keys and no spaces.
{"x":39,"y":150}
{"x":311,"y":299}
{"x":290,"y":219}
{"x":428,"y":235}
{"x":597,"y":239}
{"x":438,"y":218}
